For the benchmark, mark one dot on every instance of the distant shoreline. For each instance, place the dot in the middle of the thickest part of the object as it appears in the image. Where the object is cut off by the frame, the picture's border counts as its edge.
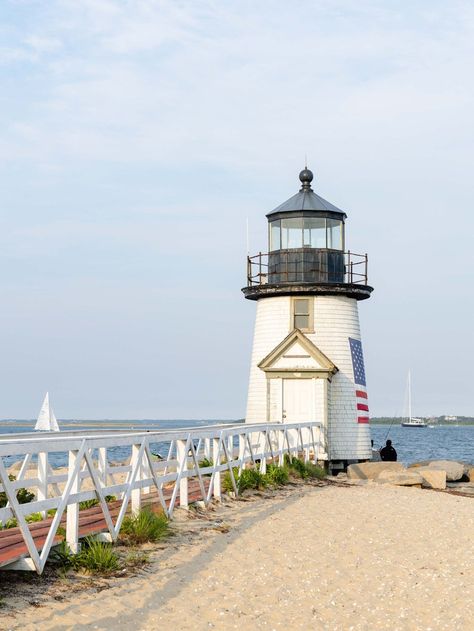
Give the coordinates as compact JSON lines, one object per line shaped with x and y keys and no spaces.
{"x":69,"y":424}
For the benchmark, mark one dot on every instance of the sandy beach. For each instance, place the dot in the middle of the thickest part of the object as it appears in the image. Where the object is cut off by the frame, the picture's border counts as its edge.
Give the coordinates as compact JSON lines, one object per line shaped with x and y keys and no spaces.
{"x":329,"y":557}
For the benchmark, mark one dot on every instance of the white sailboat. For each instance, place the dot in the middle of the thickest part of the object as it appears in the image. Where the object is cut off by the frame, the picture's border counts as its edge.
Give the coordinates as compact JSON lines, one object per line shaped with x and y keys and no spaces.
{"x":412,"y":421}
{"x":46,"y":419}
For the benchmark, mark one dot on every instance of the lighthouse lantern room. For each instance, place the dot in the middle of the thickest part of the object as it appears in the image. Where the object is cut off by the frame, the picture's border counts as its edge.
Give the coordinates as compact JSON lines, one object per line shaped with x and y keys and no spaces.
{"x":307,"y":361}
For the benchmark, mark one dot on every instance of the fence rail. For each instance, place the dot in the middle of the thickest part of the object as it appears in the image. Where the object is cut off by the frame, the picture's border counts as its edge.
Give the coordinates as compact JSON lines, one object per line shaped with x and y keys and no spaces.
{"x":202,"y":455}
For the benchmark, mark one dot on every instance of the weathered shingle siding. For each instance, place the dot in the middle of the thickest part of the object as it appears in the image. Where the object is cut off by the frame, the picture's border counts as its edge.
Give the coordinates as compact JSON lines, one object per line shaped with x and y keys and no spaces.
{"x":336,"y":319}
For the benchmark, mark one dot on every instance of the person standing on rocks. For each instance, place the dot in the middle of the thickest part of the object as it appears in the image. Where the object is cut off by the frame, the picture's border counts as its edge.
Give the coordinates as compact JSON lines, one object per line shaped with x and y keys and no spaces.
{"x":388,"y":453}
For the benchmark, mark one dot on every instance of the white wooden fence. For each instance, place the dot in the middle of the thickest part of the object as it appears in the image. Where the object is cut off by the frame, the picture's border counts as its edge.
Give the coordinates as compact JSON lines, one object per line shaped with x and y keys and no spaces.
{"x":193,"y":453}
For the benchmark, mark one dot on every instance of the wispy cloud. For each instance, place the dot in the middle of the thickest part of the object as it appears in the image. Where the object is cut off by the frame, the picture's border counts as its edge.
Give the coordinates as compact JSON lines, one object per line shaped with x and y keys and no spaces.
{"x":142,"y":134}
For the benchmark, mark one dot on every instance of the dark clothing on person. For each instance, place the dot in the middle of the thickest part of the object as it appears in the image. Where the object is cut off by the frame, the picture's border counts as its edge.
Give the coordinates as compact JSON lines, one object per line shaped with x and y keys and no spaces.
{"x":388,"y":454}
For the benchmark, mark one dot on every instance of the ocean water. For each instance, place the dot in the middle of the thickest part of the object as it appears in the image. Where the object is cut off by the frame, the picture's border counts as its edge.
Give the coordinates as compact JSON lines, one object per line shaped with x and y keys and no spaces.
{"x":440,"y":442}
{"x":116,"y":454}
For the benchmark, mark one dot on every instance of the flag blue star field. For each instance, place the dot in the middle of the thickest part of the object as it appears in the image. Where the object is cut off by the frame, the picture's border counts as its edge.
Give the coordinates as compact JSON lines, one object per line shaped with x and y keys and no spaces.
{"x":359,"y":379}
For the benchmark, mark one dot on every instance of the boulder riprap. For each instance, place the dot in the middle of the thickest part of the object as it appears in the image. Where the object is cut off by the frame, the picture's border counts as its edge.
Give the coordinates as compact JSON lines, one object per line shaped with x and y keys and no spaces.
{"x":400,"y":478}
{"x":371,"y":470}
{"x":432,"y":478}
{"x":454,"y":470}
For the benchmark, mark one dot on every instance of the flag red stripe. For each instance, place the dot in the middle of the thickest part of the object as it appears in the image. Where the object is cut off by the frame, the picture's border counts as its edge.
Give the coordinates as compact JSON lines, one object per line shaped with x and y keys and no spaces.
{"x":362,"y":419}
{"x":363,"y":406}
{"x":361,"y":394}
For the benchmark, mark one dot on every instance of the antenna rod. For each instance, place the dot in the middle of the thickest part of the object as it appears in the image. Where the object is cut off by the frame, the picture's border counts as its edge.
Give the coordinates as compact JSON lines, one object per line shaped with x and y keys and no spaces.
{"x":248,"y":239}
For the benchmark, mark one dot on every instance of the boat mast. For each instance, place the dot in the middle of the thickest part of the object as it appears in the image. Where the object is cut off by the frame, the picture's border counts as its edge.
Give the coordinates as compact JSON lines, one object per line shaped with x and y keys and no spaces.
{"x":409,"y":394}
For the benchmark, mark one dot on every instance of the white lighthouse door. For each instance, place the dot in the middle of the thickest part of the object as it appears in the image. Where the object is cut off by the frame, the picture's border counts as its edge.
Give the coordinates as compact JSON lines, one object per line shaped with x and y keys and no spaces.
{"x":297,"y":400}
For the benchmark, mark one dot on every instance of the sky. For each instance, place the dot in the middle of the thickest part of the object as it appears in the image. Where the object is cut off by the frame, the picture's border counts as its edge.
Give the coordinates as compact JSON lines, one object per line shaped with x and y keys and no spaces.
{"x":138,"y":137}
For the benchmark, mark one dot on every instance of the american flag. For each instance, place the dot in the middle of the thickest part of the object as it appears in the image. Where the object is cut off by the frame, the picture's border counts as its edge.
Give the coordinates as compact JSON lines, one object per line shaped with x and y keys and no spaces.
{"x":359,"y":379}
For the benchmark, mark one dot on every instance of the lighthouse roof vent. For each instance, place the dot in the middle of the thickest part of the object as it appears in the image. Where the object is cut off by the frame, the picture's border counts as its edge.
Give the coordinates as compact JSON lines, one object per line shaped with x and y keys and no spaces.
{"x":306,"y":199}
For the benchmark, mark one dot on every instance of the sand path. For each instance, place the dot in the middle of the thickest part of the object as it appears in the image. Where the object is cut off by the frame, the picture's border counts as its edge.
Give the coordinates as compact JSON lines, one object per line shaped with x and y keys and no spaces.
{"x":313,"y":558}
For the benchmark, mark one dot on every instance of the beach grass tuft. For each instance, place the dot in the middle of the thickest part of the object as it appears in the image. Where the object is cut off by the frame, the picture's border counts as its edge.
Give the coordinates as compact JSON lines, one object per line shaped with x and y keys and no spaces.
{"x":95,"y":557}
{"x":144,"y":527}
{"x":274,"y":476}
{"x":277,"y":476}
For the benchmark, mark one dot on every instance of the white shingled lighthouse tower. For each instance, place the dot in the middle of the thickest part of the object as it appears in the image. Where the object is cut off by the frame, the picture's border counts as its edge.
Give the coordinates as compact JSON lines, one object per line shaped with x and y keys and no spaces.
{"x":307,"y":361}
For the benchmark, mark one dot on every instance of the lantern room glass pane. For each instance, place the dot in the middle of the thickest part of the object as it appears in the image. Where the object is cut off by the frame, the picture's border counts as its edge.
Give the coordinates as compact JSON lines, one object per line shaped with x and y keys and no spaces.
{"x":292,"y":233}
{"x":314,"y":232}
{"x":275,"y":240}
{"x":334,"y":233}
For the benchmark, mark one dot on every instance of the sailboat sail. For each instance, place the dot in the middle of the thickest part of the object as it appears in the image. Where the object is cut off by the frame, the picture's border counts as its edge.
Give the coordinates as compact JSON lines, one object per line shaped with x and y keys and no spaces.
{"x":46,"y":419}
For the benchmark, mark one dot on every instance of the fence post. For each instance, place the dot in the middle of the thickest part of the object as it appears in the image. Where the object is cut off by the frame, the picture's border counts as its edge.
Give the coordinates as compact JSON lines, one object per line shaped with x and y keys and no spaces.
{"x":72,"y":518}
{"x":217,"y":475}
{"x":207,"y":449}
{"x":242,"y":451}
{"x":136,"y":495}
{"x":263,"y":445}
{"x":281,"y":447}
{"x":305,"y":433}
{"x":102,"y":464}
{"x":42,"y":491}
{"x":182,"y":467}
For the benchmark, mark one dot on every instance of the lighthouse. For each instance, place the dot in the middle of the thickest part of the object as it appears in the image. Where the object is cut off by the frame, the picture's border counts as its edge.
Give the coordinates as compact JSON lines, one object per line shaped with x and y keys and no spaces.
{"x":307,"y":362}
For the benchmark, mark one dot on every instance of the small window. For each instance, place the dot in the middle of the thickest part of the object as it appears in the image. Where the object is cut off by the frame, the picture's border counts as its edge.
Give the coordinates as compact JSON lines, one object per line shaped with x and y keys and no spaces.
{"x":302,"y":317}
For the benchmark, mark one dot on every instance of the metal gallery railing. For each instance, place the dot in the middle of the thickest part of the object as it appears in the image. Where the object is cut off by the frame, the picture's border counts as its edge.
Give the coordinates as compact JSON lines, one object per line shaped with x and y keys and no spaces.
{"x":307,"y":265}
{"x":202,"y":454}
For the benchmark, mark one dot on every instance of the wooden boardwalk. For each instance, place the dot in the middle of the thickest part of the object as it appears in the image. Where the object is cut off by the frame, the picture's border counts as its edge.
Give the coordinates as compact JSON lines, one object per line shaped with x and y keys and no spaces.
{"x":91,"y":522}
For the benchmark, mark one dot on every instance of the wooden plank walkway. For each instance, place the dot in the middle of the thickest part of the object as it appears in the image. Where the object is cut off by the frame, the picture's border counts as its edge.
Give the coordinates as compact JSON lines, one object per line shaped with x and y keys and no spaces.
{"x":91,"y":521}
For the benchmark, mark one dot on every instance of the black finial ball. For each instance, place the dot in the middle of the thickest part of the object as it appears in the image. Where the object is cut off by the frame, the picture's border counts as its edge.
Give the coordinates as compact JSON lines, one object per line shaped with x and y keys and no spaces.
{"x":306,"y":177}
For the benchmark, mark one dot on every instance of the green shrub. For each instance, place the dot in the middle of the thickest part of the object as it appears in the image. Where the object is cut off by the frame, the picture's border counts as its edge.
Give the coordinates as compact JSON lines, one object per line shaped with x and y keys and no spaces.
{"x":22,"y":495}
{"x":30,"y":519}
{"x":315,"y":471}
{"x":88,"y":504}
{"x":10,"y":523}
{"x":276,"y":476}
{"x":62,"y":555}
{"x":227,"y":485}
{"x":250,"y":479}
{"x":304,"y":470}
{"x":145,"y":526}
{"x":95,"y":502}
{"x":206,"y":462}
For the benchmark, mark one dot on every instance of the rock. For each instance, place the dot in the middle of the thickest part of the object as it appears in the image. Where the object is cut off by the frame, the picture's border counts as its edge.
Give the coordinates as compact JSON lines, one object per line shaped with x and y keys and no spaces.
{"x":470,"y":474}
{"x":400,"y":478}
{"x":432,"y":478}
{"x":454,"y":470}
{"x":371,"y":470}
{"x":422,"y":463}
